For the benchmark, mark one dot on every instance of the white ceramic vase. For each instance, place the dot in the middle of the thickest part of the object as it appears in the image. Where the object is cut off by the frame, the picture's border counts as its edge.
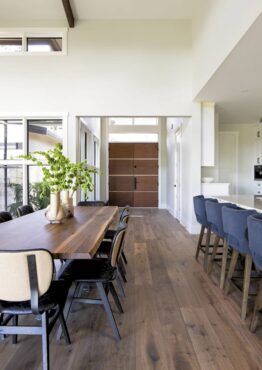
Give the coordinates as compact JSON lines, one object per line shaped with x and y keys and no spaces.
{"x":55,"y":212}
{"x":68,"y":204}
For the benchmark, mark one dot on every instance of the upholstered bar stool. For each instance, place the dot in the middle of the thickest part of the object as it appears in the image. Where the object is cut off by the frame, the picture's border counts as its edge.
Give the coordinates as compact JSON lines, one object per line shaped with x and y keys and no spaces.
{"x":5,"y":216}
{"x":25,"y":210}
{"x":200,"y":212}
{"x":235,"y":226}
{"x":254,"y":224}
{"x":214,"y":217}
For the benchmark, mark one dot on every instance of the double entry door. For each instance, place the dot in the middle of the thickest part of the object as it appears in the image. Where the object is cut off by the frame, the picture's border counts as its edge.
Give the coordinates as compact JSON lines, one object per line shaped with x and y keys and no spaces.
{"x":133,"y":174}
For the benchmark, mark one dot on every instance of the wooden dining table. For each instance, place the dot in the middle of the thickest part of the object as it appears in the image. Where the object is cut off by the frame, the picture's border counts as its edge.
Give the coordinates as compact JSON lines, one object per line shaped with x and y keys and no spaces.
{"x":77,"y":237}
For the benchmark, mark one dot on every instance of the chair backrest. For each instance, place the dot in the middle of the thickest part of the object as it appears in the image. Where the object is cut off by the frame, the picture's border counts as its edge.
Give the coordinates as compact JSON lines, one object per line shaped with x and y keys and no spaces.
{"x":15,"y":277}
{"x":25,"y":210}
{"x":200,"y":209}
{"x":117,"y":244}
{"x":124,"y":217}
{"x":91,"y":203}
{"x":254,"y":224}
{"x":214,"y":216}
{"x":235,"y":227}
{"x":5,"y":216}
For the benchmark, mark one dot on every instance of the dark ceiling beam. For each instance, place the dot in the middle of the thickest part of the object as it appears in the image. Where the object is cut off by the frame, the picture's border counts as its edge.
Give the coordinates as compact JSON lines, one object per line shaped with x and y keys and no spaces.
{"x":69,"y":13}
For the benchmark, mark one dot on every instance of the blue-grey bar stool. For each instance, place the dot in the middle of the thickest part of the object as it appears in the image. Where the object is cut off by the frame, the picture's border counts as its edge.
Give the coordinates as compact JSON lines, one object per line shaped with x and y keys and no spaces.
{"x":235,"y":226}
{"x":254,"y":224}
{"x":200,"y":212}
{"x":214,"y":217}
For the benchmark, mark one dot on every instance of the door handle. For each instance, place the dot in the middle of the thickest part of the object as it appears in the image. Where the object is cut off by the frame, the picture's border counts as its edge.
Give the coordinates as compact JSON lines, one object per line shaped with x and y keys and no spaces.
{"x":134,"y":183}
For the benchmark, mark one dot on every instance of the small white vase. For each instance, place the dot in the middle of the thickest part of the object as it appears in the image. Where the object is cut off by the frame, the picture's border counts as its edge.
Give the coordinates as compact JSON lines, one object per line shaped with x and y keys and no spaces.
{"x":55,"y":212}
{"x":68,"y":204}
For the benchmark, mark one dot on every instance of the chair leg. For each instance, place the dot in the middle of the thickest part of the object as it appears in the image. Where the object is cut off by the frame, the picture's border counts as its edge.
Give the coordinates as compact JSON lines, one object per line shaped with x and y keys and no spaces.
{"x":45,"y":341}
{"x":15,"y":323}
{"x":120,"y":285}
{"x":108,"y":309}
{"x":64,"y":327}
{"x":257,"y":308}
{"x":124,"y":257}
{"x":224,"y":265}
{"x":69,"y":301}
{"x":122,"y":265}
{"x":122,"y":273}
{"x":246,"y":284}
{"x":115,"y":296}
{"x":214,"y":252}
{"x":200,"y":240}
{"x":231,"y":270}
{"x":207,"y":248}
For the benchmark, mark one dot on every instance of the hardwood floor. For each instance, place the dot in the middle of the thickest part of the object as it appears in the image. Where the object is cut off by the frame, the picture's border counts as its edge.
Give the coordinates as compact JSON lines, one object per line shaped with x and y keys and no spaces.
{"x":175,"y":316}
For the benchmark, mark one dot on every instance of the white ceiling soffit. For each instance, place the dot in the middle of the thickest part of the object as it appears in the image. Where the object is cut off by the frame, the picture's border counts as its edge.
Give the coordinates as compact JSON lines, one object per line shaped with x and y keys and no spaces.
{"x":132,"y":9}
{"x":31,"y":10}
{"x":236,"y":86}
{"x":34,"y":10}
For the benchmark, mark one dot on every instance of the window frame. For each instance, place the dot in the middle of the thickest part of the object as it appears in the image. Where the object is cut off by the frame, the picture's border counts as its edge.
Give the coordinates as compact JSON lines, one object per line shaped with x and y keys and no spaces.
{"x":22,"y":162}
{"x":25,"y":33}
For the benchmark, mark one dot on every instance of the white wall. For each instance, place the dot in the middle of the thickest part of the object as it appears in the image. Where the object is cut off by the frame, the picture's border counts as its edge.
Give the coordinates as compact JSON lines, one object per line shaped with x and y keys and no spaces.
{"x":217,"y":27}
{"x":190,"y":165}
{"x":246,"y":155}
{"x":112,"y":68}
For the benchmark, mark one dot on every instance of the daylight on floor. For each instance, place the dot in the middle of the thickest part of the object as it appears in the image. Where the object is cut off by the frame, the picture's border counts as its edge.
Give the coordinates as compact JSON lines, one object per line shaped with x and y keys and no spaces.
{"x":130,"y":185}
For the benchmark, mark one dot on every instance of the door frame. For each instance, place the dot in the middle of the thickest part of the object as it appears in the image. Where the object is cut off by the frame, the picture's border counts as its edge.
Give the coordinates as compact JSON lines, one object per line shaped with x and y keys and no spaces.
{"x":177,"y":213}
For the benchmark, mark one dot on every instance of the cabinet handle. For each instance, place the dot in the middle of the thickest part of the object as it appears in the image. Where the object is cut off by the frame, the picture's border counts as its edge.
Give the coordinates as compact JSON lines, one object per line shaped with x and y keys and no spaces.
{"x":258,"y":160}
{"x":134,"y":183}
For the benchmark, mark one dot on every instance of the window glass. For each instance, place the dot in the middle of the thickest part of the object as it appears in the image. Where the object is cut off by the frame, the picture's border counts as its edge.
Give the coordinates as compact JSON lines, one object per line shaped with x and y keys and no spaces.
{"x":10,"y":45}
{"x":11,"y":188}
{"x":11,"y":139}
{"x":36,"y":198}
{"x":44,"y":44}
{"x":133,"y":138}
{"x":44,"y":134}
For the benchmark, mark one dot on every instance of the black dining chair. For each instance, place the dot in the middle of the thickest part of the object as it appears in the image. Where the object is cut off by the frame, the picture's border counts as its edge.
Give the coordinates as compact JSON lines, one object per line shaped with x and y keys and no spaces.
{"x":25,"y":210}
{"x":105,"y":247}
{"x":91,"y":203}
{"x":27,"y":287}
{"x":100,"y":273}
{"x":110,"y":233}
{"x":5,"y":216}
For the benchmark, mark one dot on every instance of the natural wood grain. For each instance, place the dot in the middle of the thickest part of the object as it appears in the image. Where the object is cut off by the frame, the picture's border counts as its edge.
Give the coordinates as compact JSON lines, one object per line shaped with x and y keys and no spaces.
{"x":176,"y":317}
{"x":75,"y":238}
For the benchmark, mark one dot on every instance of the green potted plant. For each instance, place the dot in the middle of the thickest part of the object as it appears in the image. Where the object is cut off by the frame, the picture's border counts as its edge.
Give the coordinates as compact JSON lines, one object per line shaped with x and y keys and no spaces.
{"x":60,"y":174}
{"x":53,"y":164}
{"x":78,"y":176}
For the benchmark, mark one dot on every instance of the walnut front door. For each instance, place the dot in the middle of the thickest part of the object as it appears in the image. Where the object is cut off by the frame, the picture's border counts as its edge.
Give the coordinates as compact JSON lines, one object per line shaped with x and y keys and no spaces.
{"x":133,"y":174}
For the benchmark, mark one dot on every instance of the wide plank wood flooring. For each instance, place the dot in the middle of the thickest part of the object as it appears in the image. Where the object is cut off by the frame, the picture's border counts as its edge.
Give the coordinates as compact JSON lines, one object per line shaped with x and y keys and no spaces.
{"x":175,"y":315}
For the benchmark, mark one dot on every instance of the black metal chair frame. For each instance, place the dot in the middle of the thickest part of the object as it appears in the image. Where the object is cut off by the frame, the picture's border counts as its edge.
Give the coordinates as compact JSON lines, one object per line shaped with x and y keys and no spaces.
{"x":46,"y":324}
{"x":103,"y":288}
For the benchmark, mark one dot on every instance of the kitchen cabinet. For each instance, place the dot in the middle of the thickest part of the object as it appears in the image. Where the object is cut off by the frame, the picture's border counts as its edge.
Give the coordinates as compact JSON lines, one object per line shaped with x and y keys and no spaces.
{"x":215,"y":188}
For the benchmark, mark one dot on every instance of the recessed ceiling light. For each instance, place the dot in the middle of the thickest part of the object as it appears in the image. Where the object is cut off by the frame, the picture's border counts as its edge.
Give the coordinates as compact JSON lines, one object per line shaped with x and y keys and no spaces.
{"x":244,"y":91}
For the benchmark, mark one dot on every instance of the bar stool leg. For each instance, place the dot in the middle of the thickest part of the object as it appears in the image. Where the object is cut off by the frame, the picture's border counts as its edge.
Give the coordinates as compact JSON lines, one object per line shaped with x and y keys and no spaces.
{"x":200,"y":240}
{"x":257,"y":308}
{"x":224,"y":265}
{"x":246,"y":284}
{"x":231,"y":270}
{"x":214,"y":252}
{"x":207,"y":248}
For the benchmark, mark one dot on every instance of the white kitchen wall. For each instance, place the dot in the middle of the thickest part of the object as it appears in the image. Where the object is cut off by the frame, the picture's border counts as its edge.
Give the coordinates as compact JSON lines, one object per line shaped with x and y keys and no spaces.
{"x":217,"y":27}
{"x":246,"y":155}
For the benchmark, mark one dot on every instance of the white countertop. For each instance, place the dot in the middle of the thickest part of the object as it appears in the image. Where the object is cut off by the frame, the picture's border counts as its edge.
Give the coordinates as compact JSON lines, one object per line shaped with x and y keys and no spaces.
{"x":243,"y":200}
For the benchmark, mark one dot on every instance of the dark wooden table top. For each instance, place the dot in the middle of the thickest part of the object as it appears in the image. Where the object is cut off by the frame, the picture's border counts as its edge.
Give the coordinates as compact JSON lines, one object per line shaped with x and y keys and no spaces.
{"x":75,"y":238}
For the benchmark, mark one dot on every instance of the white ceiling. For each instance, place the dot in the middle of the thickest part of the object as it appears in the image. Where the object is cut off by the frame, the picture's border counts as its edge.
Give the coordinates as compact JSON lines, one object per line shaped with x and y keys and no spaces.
{"x":236,"y":86}
{"x":26,"y":10}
